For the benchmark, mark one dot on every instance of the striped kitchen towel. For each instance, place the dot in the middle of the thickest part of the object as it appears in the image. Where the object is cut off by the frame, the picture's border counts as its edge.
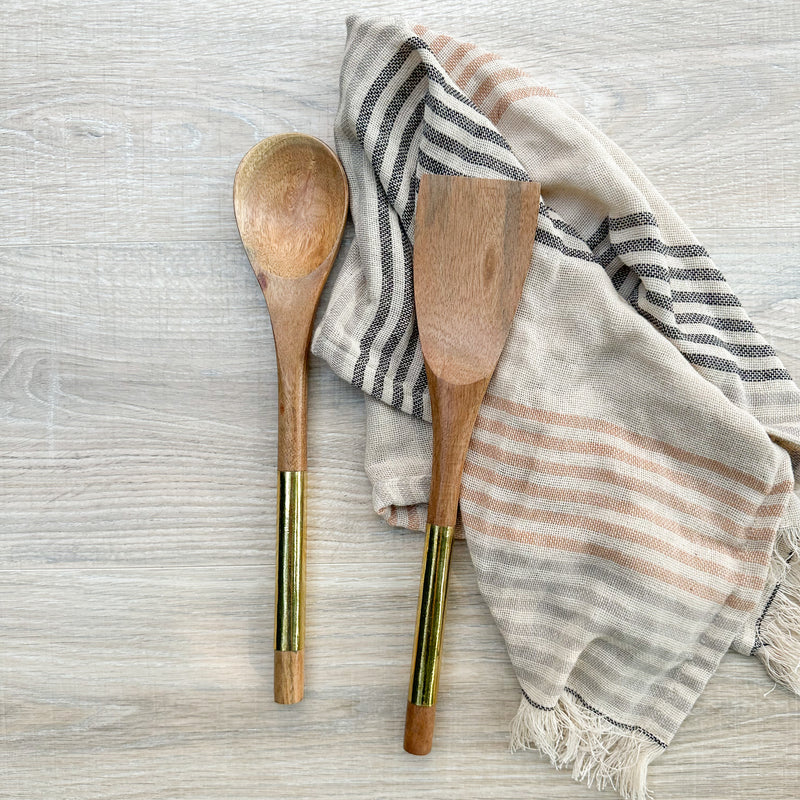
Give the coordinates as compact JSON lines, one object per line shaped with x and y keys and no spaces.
{"x":628,"y":498}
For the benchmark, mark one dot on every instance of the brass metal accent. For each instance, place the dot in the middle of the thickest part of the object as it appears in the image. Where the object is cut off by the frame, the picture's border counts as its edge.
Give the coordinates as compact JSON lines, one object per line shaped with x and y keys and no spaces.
{"x":290,"y":562}
{"x":430,"y":615}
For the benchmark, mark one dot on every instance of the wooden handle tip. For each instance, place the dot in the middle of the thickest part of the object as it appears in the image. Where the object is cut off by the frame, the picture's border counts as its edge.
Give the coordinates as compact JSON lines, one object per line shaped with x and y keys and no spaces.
{"x":288,"y":676}
{"x":418,"y":738}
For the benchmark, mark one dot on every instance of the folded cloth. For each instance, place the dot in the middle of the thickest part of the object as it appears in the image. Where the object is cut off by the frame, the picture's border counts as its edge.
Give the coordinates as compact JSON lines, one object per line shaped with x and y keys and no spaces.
{"x":628,"y":493}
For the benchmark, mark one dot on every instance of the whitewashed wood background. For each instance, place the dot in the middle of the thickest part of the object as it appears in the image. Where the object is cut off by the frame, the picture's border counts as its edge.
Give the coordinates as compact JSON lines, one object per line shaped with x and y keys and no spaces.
{"x":137,"y":400}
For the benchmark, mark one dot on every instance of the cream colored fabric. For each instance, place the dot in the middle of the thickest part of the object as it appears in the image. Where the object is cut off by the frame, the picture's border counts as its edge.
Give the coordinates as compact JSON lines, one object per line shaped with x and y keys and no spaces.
{"x":628,"y":514}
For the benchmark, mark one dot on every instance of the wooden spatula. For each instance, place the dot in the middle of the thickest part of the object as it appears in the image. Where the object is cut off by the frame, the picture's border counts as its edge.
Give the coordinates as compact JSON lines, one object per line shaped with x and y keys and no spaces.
{"x":473,"y":245}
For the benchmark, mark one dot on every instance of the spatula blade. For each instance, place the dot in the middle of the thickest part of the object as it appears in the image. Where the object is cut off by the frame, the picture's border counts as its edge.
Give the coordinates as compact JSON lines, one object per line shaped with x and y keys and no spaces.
{"x":472,"y":250}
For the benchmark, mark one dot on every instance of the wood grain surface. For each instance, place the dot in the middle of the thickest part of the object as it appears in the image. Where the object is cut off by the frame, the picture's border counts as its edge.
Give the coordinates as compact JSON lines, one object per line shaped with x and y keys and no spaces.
{"x":137,"y":401}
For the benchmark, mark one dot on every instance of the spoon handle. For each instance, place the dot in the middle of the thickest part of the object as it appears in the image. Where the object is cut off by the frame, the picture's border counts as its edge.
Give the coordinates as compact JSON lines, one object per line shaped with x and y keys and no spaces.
{"x":454,"y":409}
{"x":290,"y":580}
{"x":290,"y":552}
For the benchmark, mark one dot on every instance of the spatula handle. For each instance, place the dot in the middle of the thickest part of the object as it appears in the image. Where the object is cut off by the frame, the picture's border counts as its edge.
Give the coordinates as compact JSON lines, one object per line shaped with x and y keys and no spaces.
{"x":431,"y":607}
{"x":453,"y":410}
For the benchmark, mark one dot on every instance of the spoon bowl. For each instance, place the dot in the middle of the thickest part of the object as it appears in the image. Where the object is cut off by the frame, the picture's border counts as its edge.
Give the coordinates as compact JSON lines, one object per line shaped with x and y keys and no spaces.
{"x":290,"y":198}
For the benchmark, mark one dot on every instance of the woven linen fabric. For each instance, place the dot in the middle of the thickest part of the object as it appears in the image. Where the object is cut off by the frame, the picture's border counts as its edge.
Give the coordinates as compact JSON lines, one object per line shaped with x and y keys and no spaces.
{"x":628,"y":496}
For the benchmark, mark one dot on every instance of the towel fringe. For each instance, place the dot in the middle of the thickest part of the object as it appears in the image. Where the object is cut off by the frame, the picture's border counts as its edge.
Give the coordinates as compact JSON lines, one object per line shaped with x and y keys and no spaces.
{"x":601,"y":753}
{"x":779,"y":628}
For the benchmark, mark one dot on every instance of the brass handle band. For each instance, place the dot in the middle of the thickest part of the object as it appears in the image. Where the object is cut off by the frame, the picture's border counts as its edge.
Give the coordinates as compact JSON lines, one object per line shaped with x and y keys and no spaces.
{"x":430,"y":615}
{"x":290,"y":562}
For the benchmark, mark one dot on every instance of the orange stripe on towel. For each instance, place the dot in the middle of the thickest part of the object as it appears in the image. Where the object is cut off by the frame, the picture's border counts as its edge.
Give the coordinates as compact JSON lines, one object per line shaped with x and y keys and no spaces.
{"x":494,"y":79}
{"x":638,"y":565}
{"x":562,"y":445}
{"x":456,"y":56}
{"x":621,"y":533}
{"x":495,"y":114}
{"x":748,"y":546}
{"x":644,"y":442}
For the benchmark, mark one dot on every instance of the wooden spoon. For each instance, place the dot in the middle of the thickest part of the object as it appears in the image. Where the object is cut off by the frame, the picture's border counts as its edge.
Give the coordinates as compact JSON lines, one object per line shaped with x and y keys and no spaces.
{"x":472,"y":250}
{"x":290,"y":197}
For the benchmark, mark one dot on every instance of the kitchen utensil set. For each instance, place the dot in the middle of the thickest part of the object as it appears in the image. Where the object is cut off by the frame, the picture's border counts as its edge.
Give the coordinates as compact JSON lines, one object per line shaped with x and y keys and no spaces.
{"x":473,"y":244}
